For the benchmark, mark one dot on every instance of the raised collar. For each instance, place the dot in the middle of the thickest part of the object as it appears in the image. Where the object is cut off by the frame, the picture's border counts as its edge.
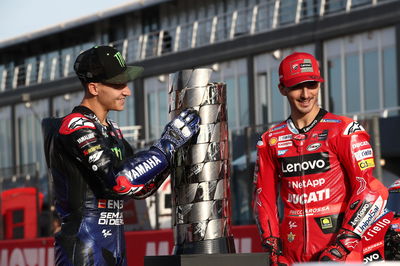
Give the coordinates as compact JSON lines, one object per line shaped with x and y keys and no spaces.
{"x":307,"y":128}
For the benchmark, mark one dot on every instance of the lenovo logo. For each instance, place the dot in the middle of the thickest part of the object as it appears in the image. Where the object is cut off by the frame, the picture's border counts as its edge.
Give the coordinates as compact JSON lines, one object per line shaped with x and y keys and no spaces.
{"x":305,"y":165}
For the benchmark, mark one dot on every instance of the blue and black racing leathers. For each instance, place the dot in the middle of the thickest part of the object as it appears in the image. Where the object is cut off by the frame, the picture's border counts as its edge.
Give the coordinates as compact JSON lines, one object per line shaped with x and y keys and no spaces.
{"x":93,"y":169}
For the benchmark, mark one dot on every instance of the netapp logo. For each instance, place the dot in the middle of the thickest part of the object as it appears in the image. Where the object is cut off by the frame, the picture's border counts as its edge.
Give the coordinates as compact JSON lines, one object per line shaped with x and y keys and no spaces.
{"x":311,"y":164}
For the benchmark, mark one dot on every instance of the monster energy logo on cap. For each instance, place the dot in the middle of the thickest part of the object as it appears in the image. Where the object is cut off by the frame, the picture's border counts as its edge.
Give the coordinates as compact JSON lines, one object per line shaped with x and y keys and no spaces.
{"x":105,"y":64}
{"x":120,"y":59}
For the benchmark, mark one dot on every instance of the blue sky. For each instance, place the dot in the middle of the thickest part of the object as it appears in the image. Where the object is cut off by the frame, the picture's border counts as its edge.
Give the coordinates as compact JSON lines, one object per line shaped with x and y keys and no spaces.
{"x":18,"y":17}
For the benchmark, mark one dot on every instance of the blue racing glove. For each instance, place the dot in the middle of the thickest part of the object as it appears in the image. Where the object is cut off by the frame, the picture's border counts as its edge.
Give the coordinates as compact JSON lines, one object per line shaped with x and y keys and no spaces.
{"x":178,"y":132}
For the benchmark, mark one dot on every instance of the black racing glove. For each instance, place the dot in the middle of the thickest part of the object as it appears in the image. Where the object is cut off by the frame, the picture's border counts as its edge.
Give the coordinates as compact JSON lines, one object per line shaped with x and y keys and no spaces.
{"x":178,"y":132}
{"x":274,"y":246}
{"x":344,"y":243}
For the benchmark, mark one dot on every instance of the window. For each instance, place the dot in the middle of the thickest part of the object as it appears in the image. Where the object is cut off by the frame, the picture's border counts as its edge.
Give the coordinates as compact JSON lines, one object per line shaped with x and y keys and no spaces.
{"x":3,"y":74}
{"x":29,"y":133}
{"x":353,"y":102}
{"x":310,"y":8}
{"x":371,"y":81}
{"x":389,"y":77}
{"x":156,"y":107}
{"x":6,"y":153}
{"x":261,"y":84}
{"x":287,"y":12}
{"x":332,"y":6}
{"x":278,"y":102}
{"x":234,"y":75}
{"x":31,"y":71}
{"x":361,"y":72}
{"x":64,"y":104}
{"x":335,"y":84}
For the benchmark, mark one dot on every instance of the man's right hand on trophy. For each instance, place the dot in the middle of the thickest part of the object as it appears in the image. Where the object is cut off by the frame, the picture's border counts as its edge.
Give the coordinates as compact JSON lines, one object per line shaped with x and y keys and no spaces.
{"x":178,"y":132}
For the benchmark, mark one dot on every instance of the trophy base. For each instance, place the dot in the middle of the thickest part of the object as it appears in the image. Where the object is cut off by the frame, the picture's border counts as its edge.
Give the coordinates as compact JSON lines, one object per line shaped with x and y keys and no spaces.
{"x":222,"y":245}
{"x":240,"y":259}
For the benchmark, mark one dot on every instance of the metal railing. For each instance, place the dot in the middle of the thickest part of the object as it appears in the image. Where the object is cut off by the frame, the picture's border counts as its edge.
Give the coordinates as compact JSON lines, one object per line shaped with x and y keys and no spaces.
{"x":263,"y":17}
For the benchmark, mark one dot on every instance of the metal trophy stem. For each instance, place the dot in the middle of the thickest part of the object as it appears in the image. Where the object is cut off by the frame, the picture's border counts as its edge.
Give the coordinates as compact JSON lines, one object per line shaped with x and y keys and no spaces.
{"x":200,"y":176}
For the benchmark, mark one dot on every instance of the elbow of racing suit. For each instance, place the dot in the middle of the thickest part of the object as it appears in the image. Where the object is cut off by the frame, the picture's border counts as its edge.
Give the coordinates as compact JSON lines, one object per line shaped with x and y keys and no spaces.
{"x":364,"y":209}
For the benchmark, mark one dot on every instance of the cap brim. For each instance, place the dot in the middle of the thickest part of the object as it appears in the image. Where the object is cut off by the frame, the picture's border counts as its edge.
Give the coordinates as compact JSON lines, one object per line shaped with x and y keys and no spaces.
{"x":295,"y":81}
{"x":131,"y":73}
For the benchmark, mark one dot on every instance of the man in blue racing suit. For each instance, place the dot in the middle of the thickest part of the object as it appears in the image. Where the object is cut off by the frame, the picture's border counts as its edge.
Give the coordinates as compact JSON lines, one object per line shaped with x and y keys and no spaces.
{"x":93,"y":167}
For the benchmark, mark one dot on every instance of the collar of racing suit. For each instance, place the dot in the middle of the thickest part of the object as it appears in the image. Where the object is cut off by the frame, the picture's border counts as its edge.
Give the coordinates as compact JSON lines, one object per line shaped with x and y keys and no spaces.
{"x":87,"y":112}
{"x":307,"y":128}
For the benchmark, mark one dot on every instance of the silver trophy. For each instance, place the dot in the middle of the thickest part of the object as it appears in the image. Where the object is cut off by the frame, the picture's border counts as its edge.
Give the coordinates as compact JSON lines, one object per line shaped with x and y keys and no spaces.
{"x":200,"y":175}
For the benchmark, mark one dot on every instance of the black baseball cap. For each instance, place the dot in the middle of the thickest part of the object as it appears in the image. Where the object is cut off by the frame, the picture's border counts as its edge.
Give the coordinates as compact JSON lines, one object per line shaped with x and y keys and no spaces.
{"x":104,"y":64}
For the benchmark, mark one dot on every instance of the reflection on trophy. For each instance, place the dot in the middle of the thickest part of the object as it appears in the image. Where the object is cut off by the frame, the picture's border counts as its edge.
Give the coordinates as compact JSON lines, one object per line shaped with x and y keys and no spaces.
{"x":200,"y":175}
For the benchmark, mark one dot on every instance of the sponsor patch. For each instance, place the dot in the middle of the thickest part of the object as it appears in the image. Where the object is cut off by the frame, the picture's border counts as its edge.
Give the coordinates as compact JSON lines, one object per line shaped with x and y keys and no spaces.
{"x":373,"y":256}
{"x":362,"y":154}
{"x":95,"y":156}
{"x":111,"y":218}
{"x":102,"y":203}
{"x":306,"y":183}
{"x":106,"y":233}
{"x":365,"y":164}
{"x":352,"y":128}
{"x":314,"y":146}
{"x":143,"y":167}
{"x":360,"y":144}
{"x":305,"y":165}
{"x":307,"y":198}
{"x":285,"y":137}
{"x":329,"y":223}
{"x":291,"y":237}
{"x":326,"y":222}
{"x":110,"y":204}
{"x":323,"y":135}
{"x":285,"y":144}
{"x":91,"y":149}
{"x":331,"y":120}
{"x":276,"y":133}
{"x":365,"y":215}
{"x":273,"y":141}
{"x":85,"y":137}
{"x":277,"y":128}
{"x":282,"y":152}
{"x":309,"y":211}
{"x":292,"y":224}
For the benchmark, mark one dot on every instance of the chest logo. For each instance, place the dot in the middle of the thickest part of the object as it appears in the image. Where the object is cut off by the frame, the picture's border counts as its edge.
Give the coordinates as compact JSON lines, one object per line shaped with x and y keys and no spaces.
{"x":307,"y":164}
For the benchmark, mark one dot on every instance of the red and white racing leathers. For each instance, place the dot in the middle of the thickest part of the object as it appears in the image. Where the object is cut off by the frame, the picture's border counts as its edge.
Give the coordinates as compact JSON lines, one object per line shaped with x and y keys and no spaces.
{"x":323,"y":174}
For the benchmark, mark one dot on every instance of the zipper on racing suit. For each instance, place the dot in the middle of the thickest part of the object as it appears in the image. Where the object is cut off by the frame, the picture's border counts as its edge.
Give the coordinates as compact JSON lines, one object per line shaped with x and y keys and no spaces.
{"x":300,"y":149}
{"x":305,"y":225}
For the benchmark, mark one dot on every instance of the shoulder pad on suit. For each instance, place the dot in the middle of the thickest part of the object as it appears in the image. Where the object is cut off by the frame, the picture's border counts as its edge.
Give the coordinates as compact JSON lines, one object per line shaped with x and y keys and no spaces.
{"x":73,"y":122}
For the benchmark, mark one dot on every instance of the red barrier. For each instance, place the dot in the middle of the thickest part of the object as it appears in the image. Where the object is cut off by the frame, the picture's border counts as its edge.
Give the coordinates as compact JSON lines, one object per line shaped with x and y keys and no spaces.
{"x":138,"y":244}
{"x":19,"y":207}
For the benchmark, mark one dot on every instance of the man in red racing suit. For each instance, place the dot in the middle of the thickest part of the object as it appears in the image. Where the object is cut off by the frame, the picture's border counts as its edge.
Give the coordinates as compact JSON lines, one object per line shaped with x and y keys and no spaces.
{"x":320,"y":165}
